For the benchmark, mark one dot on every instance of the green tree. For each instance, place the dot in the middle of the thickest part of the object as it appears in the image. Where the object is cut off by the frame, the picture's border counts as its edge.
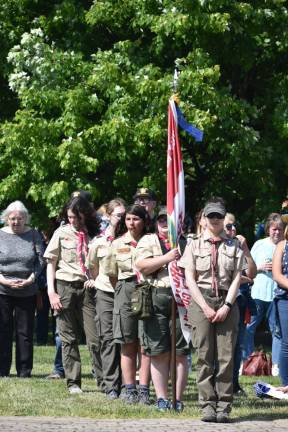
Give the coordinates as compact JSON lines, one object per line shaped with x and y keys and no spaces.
{"x":93,"y":82}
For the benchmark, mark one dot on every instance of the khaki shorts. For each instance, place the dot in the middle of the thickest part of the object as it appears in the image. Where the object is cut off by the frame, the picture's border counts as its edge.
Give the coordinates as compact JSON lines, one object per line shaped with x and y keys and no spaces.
{"x":155,"y":333}
{"x":125,"y":325}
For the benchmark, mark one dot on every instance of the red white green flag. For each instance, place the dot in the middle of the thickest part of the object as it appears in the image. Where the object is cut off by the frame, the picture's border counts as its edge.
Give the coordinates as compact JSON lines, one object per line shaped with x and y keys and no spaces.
{"x":175,"y":178}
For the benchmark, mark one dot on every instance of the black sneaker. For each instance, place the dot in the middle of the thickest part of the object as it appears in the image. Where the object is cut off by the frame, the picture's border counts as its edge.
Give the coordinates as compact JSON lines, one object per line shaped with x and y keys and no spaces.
{"x":238,"y":391}
{"x":209,"y":415}
{"x":223,"y":417}
{"x":144,"y":398}
{"x":179,"y":406}
{"x":131,"y":396}
{"x":112,"y":395}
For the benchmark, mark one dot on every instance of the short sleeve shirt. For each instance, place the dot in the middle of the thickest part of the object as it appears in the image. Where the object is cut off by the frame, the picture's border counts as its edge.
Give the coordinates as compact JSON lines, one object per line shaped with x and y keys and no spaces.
{"x":149,"y":247}
{"x":264,"y":285}
{"x":98,"y":252}
{"x":197,"y":257}
{"x":63,"y":248}
{"x":119,"y":262}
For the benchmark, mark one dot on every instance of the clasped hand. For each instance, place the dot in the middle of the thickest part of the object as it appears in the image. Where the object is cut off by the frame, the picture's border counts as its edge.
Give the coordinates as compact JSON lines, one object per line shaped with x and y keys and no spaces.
{"x":216,"y":316}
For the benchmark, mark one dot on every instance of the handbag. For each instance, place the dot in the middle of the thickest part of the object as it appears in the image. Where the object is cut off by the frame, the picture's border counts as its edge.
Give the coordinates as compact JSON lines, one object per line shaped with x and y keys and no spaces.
{"x":258,"y":363}
{"x":141,"y":300}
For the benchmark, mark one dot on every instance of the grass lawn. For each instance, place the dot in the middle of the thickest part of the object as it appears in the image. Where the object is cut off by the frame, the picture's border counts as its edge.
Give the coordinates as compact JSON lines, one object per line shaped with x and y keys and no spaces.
{"x":41,"y":397}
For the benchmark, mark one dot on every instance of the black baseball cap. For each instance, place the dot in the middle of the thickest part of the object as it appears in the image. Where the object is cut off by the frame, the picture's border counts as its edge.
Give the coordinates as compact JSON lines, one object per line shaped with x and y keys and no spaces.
{"x":83,"y":194}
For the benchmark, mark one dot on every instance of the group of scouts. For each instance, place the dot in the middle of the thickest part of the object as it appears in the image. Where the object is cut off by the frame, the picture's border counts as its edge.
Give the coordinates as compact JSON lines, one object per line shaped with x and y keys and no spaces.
{"x":89,"y":270}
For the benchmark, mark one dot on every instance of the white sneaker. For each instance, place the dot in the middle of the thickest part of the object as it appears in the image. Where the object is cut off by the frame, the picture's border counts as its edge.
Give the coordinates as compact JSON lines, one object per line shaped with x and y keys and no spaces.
{"x":275,"y":370}
{"x":241,"y":369}
{"x":75,"y":389}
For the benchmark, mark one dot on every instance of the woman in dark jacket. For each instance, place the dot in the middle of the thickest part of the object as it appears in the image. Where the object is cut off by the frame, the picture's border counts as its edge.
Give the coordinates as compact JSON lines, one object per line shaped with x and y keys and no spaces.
{"x":21,"y":262}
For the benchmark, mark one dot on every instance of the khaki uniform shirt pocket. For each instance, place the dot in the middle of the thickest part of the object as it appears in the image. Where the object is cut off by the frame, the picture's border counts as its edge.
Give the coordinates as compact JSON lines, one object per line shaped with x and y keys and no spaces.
{"x":68,"y":251}
{"x":228,"y":259}
{"x":203,"y":259}
{"x":124,"y":261}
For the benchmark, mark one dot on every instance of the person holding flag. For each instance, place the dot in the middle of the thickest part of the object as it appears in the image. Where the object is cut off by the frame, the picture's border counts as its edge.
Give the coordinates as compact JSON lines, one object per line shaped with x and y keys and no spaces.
{"x":153,"y":254}
{"x":213,"y":263}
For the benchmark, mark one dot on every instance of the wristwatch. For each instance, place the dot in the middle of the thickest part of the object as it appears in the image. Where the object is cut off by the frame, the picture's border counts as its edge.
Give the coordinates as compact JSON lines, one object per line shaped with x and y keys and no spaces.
{"x":228,"y":304}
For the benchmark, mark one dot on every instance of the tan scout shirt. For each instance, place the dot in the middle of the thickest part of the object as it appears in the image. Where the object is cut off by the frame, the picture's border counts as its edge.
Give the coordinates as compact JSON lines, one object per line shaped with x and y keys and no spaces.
{"x":149,"y":247}
{"x":62,"y":247}
{"x":98,"y":251}
{"x":197,"y":256}
{"x":120,"y":261}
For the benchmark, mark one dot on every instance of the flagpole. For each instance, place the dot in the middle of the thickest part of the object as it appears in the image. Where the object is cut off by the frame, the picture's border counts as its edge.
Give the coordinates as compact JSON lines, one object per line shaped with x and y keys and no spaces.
{"x":174,"y":308}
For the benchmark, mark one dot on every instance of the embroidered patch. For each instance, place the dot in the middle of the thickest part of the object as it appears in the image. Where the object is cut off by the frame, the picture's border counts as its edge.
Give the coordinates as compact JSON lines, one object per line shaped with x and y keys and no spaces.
{"x":124,"y":250}
{"x":229,"y":242}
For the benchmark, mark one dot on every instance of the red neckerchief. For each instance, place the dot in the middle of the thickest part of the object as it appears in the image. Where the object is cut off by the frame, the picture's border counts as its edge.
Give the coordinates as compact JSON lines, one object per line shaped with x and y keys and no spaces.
{"x":133,"y":243}
{"x":214,"y":254}
{"x":82,"y":247}
{"x":165,"y":241}
{"x":110,"y":238}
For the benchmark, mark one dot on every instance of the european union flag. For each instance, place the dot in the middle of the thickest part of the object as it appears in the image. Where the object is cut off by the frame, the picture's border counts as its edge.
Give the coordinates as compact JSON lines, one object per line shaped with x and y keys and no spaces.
{"x":189,"y":128}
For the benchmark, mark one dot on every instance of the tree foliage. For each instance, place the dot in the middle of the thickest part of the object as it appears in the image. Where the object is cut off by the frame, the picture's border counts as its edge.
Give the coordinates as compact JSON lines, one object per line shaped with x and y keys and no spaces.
{"x":92,"y":80}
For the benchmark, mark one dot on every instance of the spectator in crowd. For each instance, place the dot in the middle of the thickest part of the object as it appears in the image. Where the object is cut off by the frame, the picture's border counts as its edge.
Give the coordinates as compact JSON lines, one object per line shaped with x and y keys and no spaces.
{"x":147,"y":198}
{"x":21,"y":262}
{"x":263,"y":288}
{"x":70,"y":294}
{"x":280,"y":276}
{"x":213,"y":264}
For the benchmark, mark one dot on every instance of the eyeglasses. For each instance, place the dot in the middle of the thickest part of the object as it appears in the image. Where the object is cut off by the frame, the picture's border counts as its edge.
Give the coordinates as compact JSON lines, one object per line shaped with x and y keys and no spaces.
{"x":230,"y":226}
{"x":142,"y":200}
{"x":215,"y":216}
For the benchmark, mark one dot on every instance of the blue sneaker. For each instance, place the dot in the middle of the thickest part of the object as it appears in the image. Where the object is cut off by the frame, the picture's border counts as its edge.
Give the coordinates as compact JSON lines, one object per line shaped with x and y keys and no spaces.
{"x":163,"y":405}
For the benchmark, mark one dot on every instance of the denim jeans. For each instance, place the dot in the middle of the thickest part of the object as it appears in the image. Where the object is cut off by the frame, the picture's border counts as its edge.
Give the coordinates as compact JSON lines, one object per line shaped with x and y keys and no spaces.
{"x":283,"y":358}
{"x":58,"y":364}
{"x":242,"y":304}
{"x":264,"y":309}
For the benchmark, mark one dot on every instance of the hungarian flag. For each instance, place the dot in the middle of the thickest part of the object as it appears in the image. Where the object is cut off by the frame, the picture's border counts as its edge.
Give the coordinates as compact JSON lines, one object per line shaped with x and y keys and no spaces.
{"x":176,"y":206}
{"x":175,"y":178}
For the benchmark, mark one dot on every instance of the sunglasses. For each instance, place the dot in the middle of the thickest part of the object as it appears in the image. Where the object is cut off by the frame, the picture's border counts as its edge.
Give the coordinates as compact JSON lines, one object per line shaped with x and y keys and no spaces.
{"x":215,"y":216}
{"x":230,"y":226}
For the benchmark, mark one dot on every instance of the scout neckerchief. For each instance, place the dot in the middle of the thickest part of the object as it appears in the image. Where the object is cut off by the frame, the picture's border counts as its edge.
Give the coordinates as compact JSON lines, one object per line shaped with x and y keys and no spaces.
{"x":215,"y":243}
{"x":81,"y":248}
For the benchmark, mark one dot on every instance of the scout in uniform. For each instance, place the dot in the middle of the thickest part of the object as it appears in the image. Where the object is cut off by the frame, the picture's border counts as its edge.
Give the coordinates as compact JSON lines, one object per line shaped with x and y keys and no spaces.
{"x":119,"y":266}
{"x":69,"y":295}
{"x":153,"y":256}
{"x":98,"y":251}
{"x":213,"y":264}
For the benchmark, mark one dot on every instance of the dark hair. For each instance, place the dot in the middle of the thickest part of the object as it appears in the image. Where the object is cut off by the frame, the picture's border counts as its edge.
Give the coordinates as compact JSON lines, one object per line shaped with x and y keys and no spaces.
{"x":273,"y":218}
{"x":80,"y":206}
{"x":135,"y":210}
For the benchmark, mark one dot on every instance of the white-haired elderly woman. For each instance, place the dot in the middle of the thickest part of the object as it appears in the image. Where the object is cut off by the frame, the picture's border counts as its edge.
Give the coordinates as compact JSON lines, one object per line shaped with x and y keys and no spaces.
{"x":21,"y":262}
